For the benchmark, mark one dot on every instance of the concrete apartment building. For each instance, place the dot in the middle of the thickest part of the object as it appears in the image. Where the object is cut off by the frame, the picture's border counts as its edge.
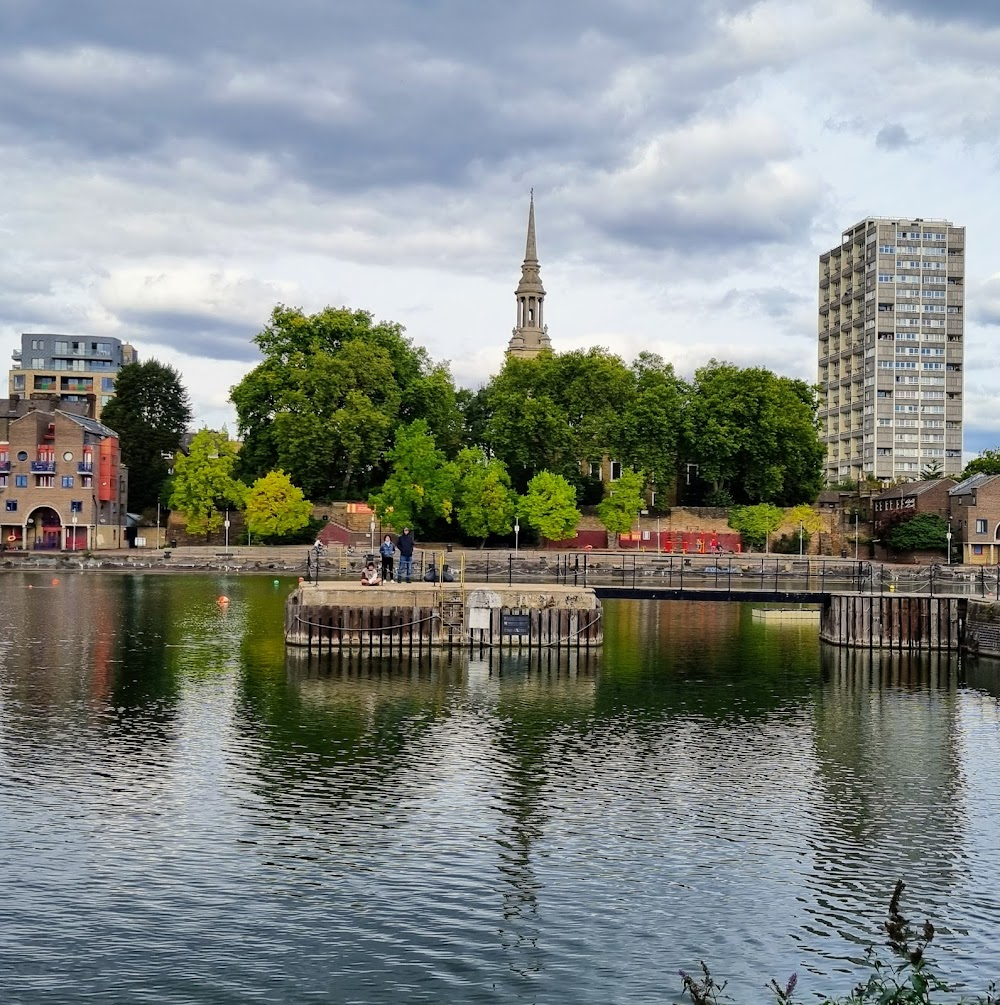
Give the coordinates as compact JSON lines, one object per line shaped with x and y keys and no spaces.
{"x":69,"y":369}
{"x":891,"y":349}
{"x":62,"y":485}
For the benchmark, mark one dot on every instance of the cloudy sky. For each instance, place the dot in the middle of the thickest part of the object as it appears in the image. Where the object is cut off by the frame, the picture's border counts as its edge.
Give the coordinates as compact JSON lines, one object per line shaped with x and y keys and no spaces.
{"x":170,"y":171}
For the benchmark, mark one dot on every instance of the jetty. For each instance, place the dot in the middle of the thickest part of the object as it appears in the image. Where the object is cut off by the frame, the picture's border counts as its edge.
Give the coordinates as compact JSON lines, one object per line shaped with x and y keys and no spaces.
{"x":396,"y":617}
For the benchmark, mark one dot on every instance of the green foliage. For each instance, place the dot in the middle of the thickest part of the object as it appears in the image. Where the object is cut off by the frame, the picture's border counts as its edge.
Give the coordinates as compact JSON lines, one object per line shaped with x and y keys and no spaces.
{"x":275,"y":507}
{"x":150,"y":412}
{"x":618,"y":512}
{"x":325,"y":402}
{"x":792,"y":544}
{"x":485,"y":501}
{"x":905,"y":978}
{"x":807,"y":516}
{"x":422,"y":486}
{"x":756,"y":523}
{"x":754,"y":434}
{"x":924,"y":532}
{"x":932,"y":472}
{"x":987,"y":463}
{"x":549,"y":506}
{"x":204,"y":484}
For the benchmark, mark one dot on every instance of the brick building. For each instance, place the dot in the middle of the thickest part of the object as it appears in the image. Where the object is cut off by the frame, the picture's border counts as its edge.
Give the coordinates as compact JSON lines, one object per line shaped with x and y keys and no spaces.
{"x":62,"y":484}
{"x":975,"y":518}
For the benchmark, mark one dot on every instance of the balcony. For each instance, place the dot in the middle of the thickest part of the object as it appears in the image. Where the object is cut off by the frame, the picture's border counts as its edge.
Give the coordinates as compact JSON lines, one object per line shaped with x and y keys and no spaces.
{"x":4,"y":467}
{"x":85,"y":468}
{"x":43,"y":467}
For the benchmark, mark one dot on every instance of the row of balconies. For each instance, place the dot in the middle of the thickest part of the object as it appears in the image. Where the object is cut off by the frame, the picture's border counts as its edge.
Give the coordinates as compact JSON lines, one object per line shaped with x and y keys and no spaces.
{"x":49,"y":467}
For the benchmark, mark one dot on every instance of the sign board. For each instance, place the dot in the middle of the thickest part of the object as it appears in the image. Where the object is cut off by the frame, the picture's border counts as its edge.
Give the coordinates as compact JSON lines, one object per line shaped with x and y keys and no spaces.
{"x":479,"y":617}
{"x":515,"y":624}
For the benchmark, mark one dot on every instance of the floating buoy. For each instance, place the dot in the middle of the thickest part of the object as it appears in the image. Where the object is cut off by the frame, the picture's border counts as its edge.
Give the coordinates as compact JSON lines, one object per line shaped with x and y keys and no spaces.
{"x":55,"y":582}
{"x":277,"y":582}
{"x":223,"y":601}
{"x":30,"y":587}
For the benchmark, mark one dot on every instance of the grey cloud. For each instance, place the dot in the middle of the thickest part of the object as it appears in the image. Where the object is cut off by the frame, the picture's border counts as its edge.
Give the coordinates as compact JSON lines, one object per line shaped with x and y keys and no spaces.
{"x":200,"y":335}
{"x":978,"y":11}
{"x":777,"y":302}
{"x":893,"y":136}
{"x":985,"y":302}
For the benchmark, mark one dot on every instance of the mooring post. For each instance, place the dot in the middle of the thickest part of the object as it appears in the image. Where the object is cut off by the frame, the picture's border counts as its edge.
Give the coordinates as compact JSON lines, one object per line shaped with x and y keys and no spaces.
{"x":487,"y":567}
{"x":576,"y":569}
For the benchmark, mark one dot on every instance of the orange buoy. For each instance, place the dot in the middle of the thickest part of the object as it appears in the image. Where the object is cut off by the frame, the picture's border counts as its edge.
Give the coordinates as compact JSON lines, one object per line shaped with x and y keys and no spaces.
{"x":55,"y":582}
{"x":223,"y":601}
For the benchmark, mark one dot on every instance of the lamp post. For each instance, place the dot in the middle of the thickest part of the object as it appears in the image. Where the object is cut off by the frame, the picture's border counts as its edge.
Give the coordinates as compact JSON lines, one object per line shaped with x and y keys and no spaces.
{"x":855,"y":537}
{"x":371,"y":530}
{"x":226,"y":525}
{"x":157,"y":523}
{"x":948,"y":538}
{"x":800,"y":538}
{"x":75,"y":518}
{"x":517,"y":530}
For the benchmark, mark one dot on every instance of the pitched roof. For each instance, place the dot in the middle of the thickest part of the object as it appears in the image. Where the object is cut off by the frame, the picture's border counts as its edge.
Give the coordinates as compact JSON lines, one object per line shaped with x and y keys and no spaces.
{"x":90,"y":425}
{"x":971,"y":484}
{"x":908,"y":489}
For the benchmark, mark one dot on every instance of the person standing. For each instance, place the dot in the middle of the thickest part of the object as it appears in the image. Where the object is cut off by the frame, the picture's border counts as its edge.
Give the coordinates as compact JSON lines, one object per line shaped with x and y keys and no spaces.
{"x":405,"y":546}
{"x":387,"y":549}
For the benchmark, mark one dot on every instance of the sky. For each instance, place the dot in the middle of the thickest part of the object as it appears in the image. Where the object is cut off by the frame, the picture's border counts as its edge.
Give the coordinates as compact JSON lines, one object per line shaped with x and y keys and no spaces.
{"x":170,"y":172}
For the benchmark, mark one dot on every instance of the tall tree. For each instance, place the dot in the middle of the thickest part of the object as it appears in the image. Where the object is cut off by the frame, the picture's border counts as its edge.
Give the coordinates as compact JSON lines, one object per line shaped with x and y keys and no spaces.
{"x":754,"y":435}
{"x":204,"y":481}
{"x":485,"y":502}
{"x":326,"y":400}
{"x":150,"y":413}
{"x":987,"y":463}
{"x":421,"y":489}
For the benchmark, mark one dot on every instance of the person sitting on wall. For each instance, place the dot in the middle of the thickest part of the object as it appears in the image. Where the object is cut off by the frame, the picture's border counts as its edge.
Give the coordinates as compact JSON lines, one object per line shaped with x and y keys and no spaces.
{"x":370,"y":576}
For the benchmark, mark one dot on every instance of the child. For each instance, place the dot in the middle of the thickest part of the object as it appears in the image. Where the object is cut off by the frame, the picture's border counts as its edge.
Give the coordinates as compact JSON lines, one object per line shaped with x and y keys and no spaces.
{"x":370,"y":576}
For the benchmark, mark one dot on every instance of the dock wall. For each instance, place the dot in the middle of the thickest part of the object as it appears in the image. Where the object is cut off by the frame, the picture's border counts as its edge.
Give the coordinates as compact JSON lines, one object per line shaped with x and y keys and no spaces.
{"x":893,"y":621}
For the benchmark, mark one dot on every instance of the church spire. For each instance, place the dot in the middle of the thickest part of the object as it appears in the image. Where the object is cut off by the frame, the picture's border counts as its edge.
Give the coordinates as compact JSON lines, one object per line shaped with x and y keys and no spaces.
{"x":530,"y":334}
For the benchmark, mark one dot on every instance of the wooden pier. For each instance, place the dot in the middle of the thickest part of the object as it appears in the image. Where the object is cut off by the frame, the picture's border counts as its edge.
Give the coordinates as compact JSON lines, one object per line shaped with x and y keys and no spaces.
{"x":397,"y":618}
{"x":894,"y":621}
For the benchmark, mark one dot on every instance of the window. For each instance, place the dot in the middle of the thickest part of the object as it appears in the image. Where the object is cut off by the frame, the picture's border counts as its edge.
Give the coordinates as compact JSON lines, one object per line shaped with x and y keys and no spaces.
{"x":977,"y":549}
{"x":595,"y":470}
{"x":19,"y":382}
{"x":37,"y":362}
{"x":76,"y":506}
{"x":67,"y":481}
{"x":46,"y":481}
{"x":107,"y":383}
{"x":61,"y":348}
{"x":616,"y":470}
{"x":20,"y":481}
{"x":11,"y":505}
{"x":37,"y":343}
{"x":980,"y":526}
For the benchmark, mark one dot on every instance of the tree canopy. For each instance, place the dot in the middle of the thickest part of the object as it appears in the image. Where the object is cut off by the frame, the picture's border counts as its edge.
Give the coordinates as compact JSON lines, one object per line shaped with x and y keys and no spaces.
{"x":325,"y":403}
{"x":485,"y":501}
{"x":150,"y":413}
{"x":274,"y":507}
{"x":923,"y":532}
{"x":204,"y":484}
{"x":624,"y":500}
{"x":756,"y":523}
{"x":753,"y":435}
{"x":987,"y":463}
{"x":549,"y":506}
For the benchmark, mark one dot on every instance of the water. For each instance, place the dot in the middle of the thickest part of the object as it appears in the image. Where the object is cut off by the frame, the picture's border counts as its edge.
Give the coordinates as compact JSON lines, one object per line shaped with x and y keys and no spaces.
{"x":188,"y":815}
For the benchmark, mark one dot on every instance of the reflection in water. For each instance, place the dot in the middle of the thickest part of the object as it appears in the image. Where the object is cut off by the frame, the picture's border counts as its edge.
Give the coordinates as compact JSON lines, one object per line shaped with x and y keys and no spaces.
{"x":188,"y":812}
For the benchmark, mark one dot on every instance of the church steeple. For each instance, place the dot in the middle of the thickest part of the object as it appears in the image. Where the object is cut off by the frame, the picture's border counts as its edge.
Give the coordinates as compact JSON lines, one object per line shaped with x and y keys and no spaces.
{"x":530,"y":334}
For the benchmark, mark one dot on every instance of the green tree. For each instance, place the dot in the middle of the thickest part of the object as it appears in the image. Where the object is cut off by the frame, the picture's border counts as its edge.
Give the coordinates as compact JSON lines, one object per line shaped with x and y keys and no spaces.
{"x":924,"y":532}
{"x":756,"y":523}
{"x":987,"y":463}
{"x":422,"y":486}
{"x":618,"y":511}
{"x":274,"y":507}
{"x":556,"y":411}
{"x":754,"y":435}
{"x":204,"y":483}
{"x":326,"y":400}
{"x":150,"y":413}
{"x":485,"y":502}
{"x":549,"y":506}
{"x":932,"y":471}
{"x":647,"y":435}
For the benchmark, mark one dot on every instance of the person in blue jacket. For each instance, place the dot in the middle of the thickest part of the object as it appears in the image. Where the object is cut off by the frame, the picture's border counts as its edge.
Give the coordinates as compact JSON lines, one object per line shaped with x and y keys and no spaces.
{"x":387,"y":550}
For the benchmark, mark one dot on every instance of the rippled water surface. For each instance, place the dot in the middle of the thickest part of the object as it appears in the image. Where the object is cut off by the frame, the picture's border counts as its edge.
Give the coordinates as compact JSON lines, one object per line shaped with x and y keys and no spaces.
{"x":189,"y":815}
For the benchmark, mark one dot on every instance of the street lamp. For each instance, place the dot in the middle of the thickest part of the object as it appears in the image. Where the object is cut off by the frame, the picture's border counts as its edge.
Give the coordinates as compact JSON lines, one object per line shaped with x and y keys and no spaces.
{"x":948,"y":536}
{"x":800,"y":538}
{"x":371,"y":529}
{"x":855,"y":537}
{"x":517,"y":530}
{"x":226,"y":525}
{"x":75,"y":518}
